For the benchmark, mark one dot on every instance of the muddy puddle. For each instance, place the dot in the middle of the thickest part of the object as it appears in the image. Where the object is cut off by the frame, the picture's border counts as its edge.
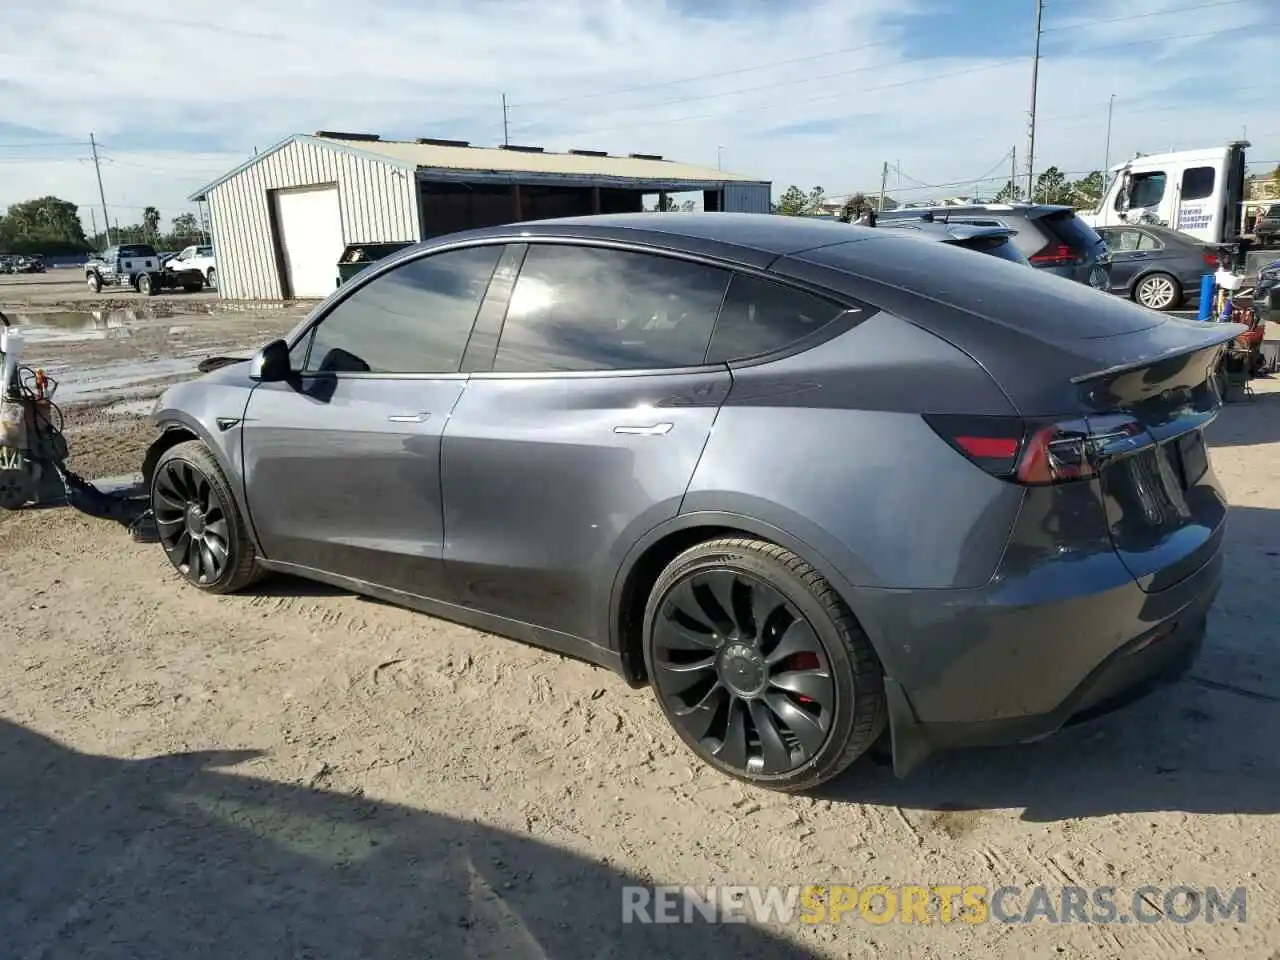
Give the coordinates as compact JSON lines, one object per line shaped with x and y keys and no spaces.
{"x":126,"y":380}
{"x":72,"y":326}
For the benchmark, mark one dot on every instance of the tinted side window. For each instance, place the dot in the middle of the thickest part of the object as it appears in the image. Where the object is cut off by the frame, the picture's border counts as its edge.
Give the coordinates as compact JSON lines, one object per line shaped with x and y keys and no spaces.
{"x":586,"y":308}
{"x":1147,"y":242}
{"x":1197,"y":183}
{"x":759,"y":317}
{"x":415,"y":319}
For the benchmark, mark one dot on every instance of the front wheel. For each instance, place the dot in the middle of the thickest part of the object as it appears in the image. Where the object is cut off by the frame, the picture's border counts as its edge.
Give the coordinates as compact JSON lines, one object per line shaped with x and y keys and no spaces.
{"x":198,"y":522}
{"x":211,"y":278}
{"x":95,"y":283}
{"x":1159,"y":291}
{"x":760,"y":666}
{"x":144,"y":284}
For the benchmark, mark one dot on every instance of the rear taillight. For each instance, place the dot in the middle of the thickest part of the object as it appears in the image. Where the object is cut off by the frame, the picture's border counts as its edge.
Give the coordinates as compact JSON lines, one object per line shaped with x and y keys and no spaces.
{"x":1211,"y":260}
{"x":1057,"y":255}
{"x":1040,"y":452}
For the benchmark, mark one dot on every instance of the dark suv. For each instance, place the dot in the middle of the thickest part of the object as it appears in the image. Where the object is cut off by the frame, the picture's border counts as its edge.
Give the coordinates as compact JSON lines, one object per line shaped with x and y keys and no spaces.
{"x":993,"y":241}
{"x":1051,"y":237}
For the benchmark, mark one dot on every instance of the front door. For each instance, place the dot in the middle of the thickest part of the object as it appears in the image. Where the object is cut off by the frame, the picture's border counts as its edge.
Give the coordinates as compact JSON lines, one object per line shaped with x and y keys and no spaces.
{"x":584,"y":436}
{"x":341,"y":463}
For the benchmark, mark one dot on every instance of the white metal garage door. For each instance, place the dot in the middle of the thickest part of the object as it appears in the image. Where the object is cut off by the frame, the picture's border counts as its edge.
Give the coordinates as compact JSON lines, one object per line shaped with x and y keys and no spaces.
{"x":310,"y":226}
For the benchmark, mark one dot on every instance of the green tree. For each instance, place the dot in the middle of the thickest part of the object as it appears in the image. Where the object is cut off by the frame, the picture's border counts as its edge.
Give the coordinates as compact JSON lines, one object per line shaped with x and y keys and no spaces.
{"x":1052,"y":187}
{"x":1009,"y":193}
{"x":151,"y":222}
{"x":813,"y":203}
{"x":45,"y":225}
{"x":793,"y":201}
{"x":186,"y":230}
{"x":1086,"y":193}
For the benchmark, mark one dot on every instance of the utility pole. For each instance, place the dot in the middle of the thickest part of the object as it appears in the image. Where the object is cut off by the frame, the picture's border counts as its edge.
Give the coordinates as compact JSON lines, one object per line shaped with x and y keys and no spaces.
{"x":719,"y":152}
{"x":93,"y":219}
{"x":884,"y":182}
{"x":506,"y":132}
{"x":1106,"y":159}
{"x":1013,"y":173}
{"x":97,"y":169}
{"x":1035,"y":80}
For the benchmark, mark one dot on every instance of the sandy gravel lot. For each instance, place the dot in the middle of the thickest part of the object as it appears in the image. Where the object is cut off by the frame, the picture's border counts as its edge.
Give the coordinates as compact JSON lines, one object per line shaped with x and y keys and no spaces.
{"x":297,"y":772}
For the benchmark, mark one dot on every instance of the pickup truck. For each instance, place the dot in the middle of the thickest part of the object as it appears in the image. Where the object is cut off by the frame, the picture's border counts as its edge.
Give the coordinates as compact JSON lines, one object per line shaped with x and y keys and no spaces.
{"x":196,"y":258}
{"x":137,"y":265}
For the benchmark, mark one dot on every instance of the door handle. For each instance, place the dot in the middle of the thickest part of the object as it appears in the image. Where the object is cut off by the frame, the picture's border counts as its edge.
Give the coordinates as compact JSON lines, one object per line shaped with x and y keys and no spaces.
{"x":650,"y":430}
{"x":409,"y":417}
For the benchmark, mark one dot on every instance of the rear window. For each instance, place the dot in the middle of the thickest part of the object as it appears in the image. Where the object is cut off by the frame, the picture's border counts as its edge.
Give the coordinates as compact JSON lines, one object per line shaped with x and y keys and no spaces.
{"x":759,"y":316}
{"x":1069,"y":229}
{"x":205,"y":251}
{"x":137,"y":250}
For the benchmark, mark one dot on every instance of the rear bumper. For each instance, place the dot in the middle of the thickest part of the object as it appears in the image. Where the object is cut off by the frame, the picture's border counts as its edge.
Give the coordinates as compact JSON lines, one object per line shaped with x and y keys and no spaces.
{"x":1003,"y":675}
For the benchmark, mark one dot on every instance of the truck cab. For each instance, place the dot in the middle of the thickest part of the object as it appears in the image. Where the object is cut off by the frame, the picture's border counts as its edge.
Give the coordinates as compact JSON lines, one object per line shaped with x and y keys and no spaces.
{"x":1197,"y":192}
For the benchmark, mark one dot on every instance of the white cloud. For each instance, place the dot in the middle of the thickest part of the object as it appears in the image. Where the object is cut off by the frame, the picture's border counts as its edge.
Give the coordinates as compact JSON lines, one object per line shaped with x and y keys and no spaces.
{"x":190,"y":96}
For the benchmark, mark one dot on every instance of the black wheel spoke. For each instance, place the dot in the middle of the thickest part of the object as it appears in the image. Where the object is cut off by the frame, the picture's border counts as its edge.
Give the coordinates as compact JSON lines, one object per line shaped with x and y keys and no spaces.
{"x":767,"y":609}
{"x":806,"y":728}
{"x":698,"y":722}
{"x":776,"y":754}
{"x":680,"y":636}
{"x":209,"y":567}
{"x":683,"y":607}
{"x":167,"y":491}
{"x":733,"y":748}
{"x":713,"y":594}
{"x":217,"y":529}
{"x":811,"y":684}
{"x":798,"y":638}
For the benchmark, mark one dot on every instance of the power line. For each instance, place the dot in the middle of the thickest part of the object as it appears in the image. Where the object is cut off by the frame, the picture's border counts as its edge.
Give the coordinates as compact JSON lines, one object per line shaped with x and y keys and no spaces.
{"x":1142,"y":16}
{"x":847,"y":93}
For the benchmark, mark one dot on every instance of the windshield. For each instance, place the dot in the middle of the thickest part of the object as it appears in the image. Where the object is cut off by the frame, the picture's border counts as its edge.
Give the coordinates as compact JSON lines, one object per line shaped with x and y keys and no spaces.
{"x":997,"y":245}
{"x":137,"y":250}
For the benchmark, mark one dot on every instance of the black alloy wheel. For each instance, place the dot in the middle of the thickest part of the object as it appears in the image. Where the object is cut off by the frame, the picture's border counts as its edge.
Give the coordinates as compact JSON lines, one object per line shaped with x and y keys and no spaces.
{"x":760,"y":667}
{"x":197,"y":521}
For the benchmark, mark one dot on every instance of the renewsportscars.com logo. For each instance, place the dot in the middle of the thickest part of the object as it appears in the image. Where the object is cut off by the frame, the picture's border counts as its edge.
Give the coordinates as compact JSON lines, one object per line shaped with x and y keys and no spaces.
{"x":939,"y":903}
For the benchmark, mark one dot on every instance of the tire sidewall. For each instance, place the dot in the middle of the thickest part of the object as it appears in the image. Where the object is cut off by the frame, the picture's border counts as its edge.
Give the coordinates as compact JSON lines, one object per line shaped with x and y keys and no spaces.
{"x":776,"y":575}
{"x":201,"y":461}
{"x":95,"y":283}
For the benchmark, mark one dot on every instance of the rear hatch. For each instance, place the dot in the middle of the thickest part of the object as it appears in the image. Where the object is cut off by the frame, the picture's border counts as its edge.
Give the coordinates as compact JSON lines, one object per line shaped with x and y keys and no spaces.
{"x":1073,"y":243}
{"x":1085,"y":371}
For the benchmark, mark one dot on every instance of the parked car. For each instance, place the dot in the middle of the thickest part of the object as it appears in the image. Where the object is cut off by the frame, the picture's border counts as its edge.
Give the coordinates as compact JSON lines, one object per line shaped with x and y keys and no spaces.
{"x":944,"y":494}
{"x":196,"y":258}
{"x":1157,"y":266}
{"x":33,"y":263}
{"x":1052,"y":238}
{"x":1267,"y":228}
{"x":993,"y":241}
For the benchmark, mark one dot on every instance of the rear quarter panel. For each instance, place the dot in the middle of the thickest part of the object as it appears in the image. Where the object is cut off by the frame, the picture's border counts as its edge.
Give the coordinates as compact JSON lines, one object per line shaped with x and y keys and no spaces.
{"x":830,"y":446}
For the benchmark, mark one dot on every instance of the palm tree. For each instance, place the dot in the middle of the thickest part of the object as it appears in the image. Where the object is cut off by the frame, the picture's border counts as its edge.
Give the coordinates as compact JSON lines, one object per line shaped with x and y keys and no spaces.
{"x":151,"y":222}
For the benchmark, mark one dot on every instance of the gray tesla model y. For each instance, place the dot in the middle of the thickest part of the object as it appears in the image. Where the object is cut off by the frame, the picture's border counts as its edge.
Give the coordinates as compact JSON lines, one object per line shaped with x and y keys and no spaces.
{"x":815,"y":484}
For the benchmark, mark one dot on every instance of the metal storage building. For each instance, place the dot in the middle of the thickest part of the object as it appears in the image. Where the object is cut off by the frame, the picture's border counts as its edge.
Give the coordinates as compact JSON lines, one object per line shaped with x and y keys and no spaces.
{"x":282,"y":220}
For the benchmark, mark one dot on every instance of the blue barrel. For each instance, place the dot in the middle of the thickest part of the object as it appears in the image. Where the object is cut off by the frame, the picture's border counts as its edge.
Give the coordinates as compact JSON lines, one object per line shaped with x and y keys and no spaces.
{"x":1206,"y":296}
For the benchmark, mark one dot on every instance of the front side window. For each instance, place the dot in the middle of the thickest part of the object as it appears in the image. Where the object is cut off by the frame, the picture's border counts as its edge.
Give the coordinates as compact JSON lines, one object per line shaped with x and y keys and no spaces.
{"x":1197,"y":183}
{"x":415,"y":319}
{"x":586,"y":308}
{"x":1145,"y":190}
{"x":760,"y":316}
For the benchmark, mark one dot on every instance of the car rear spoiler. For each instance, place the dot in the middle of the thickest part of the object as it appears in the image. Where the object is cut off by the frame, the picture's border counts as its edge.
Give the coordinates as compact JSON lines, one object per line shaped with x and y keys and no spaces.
{"x":1215,"y":335}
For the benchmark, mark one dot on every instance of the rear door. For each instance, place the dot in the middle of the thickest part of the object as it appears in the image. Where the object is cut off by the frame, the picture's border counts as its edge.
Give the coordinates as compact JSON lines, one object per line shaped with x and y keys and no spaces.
{"x":585,"y":433}
{"x":1123,"y":243}
{"x":341,"y":463}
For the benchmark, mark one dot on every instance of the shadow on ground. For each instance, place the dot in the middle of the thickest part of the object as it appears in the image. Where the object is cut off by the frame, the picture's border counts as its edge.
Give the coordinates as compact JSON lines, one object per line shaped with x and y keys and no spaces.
{"x":1250,"y":422}
{"x":171,"y":858}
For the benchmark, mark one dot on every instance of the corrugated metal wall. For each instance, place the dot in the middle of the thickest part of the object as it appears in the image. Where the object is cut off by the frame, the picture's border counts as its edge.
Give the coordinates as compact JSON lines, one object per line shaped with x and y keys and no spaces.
{"x":747,"y":197}
{"x":379,"y":202}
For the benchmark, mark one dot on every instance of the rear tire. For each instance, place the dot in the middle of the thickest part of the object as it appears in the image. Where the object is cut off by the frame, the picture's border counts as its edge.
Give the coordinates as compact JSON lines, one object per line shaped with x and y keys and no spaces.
{"x":760,"y":666}
{"x":144,"y":285}
{"x":1158,"y":291}
{"x":199,"y":523}
{"x":211,"y":278}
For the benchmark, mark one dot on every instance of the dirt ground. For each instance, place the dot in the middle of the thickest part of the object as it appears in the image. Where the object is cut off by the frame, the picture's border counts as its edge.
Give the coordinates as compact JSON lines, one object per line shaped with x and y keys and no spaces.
{"x":297,"y":772}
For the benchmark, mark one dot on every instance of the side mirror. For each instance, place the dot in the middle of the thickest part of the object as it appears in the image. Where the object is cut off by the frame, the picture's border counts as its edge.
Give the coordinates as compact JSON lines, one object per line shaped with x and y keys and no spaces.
{"x":271,"y":363}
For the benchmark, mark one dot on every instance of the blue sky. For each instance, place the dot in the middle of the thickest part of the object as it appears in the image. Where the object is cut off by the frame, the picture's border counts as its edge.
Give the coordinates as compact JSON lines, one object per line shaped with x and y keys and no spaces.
{"x":816,"y":92}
